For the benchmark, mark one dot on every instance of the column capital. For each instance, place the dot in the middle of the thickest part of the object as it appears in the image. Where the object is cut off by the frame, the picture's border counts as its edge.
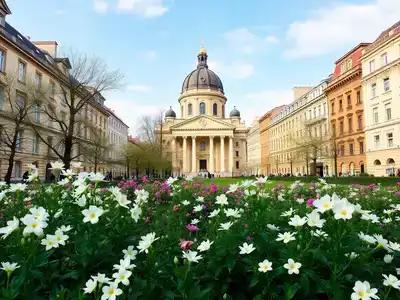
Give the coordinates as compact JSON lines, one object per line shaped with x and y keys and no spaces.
{"x":184,"y":137}
{"x":222,"y":137}
{"x":211,"y":137}
{"x":231,"y":137}
{"x":193,"y":137}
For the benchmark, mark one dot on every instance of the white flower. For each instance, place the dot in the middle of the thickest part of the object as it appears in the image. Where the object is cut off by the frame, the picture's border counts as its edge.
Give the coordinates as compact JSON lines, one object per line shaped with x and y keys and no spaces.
{"x":9,"y":267}
{"x":363,"y":291}
{"x":58,"y":214}
{"x":287,"y":213}
{"x":319,"y":233}
{"x":33,"y":175}
{"x":391,"y":281}
{"x":262,"y":179}
{"x":292,"y":266}
{"x":130,"y":253}
{"x":11,"y":226}
{"x":200,"y":199}
{"x":388,"y":258}
{"x":351,"y":255}
{"x":265,"y":266}
{"x":194,"y":221}
{"x":146,"y":242}
{"x":286,"y":237}
{"x":273,"y":227}
{"x":90,"y":286}
{"x":17,"y":187}
{"x":101,"y":278}
{"x":214,"y":213}
{"x":204,"y":246}
{"x":198,"y":208}
{"x":314,"y":219}
{"x":343,"y":211}
{"x":122,"y":200}
{"x":136,"y":211}
{"x":221,"y":200}
{"x":96,"y":177}
{"x":300,"y":200}
{"x":230,"y":212}
{"x":323,"y":204}
{"x":124,"y":264}
{"x":191,"y":256}
{"x":65,"y":228}
{"x":81,"y":201}
{"x":50,"y":242}
{"x":171,"y":180}
{"x":111,"y":291}
{"x":141,"y":196}
{"x":76,"y":164}
{"x":232,"y":188}
{"x":393,"y":246}
{"x":225,"y":226}
{"x":246,"y":248}
{"x":64,"y":181}
{"x":39,"y":213}
{"x":367,"y":238}
{"x":122,"y":276}
{"x":33,"y":225}
{"x":61,"y":237}
{"x":381,"y":241}
{"x":92,"y":214}
{"x":185,"y":202}
{"x":296,"y":221}
{"x":57,"y":165}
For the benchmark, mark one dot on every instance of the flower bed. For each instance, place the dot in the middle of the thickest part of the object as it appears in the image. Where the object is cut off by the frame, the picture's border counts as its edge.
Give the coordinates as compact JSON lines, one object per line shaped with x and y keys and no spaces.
{"x":185,"y":240}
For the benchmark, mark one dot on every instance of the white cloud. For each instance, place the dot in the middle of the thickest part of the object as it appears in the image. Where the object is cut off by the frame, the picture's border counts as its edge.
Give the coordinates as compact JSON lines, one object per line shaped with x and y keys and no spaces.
{"x":100,"y":6}
{"x":145,"y":8}
{"x":339,"y":25}
{"x":245,"y":41}
{"x":271,"y":39}
{"x":138,"y":88}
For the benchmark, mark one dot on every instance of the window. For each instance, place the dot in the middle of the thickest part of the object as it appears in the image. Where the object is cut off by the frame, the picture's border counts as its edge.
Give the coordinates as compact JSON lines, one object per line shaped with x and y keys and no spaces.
{"x":237,"y":153}
{"x":341,"y":127}
{"x":375,"y":115}
{"x":64,"y":97}
{"x":38,"y":80}
{"x":348,"y":100}
{"x":237,"y":144}
{"x":18,"y":142}
{"x":350,"y":121}
{"x":190,"y":109}
{"x":351,"y":149}
{"x":237,"y":164}
{"x":2,"y":60}
{"x":1,"y":97}
{"x":324,"y":110}
{"x":372,"y":66}
{"x":386,"y":84}
{"x":390,"y":139}
{"x":202,"y":146}
{"x":384,"y":59}
{"x":315,"y":112}
{"x":361,"y":144}
{"x":340,"y":104}
{"x":52,"y":89}
{"x":388,"y":110}
{"x":333,"y":108}
{"x":215,"y":109}
{"x":342,"y":150}
{"x":376,"y":140}
{"x":36,"y":112}
{"x":202,"y":108}
{"x":373,"y":90}
{"x":333,"y":129}
{"x":358,"y":97}
{"x":21,"y":71}
{"x":360,"y":122}
{"x":36,"y":144}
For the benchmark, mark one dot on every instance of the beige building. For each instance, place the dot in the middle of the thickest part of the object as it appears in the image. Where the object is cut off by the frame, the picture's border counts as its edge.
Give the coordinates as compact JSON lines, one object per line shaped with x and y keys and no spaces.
{"x":254,"y":149}
{"x":381,"y":94}
{"x":37,"y":63}
{"x":203,"y":139}
{"x":308,"y":114}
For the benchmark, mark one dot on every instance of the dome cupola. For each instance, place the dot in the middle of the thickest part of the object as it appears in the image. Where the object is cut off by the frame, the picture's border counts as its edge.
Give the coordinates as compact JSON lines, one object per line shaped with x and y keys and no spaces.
{"x":170,"y":113}
{"x":202,"y":77}
{"x":234,"y":113}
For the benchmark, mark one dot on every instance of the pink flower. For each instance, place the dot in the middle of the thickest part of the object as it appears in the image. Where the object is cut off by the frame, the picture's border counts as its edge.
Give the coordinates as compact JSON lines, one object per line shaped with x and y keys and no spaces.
{"x":192,"y":228}
{"x":185,"y":245}
{"x":147,"y":220}
{"x":310,"y":202}
{"x":295,"y":196}
{"x":187,"y":214}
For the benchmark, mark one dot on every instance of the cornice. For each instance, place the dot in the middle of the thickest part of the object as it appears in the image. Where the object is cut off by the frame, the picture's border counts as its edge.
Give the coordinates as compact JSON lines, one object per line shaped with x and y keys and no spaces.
{"x":344,"y":78}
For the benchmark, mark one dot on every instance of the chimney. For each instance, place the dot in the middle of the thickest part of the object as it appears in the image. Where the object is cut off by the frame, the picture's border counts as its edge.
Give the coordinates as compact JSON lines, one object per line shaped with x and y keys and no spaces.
{"x":48,"y":46}
{"x":299,"y":91}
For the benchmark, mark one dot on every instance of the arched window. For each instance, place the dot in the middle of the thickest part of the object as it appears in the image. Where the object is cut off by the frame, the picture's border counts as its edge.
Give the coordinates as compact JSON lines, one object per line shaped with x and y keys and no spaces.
{"x":202,"y":146}
{"x":215,"y":109}
{"x":377,"y":162}
{"x":390,"y":161}
{"x":202,"y":108}
{"x":190,"y":109}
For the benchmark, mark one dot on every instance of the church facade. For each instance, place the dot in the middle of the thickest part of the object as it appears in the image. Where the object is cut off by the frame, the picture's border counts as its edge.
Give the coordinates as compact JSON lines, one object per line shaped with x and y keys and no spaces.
{"x":203,"y":140}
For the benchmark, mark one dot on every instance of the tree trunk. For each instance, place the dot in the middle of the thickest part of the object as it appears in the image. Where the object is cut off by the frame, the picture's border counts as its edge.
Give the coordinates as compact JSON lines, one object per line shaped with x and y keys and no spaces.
{"x":314,"y":168}
{"x":68,"y":142}
{"x":7,"y":178}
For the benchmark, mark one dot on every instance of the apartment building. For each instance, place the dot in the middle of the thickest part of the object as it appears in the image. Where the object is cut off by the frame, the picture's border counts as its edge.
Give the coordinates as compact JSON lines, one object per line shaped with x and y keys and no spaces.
{"x":381,"y":94}
{"x":346,"y":112}
{"x":254,"y":149}
{"x":37,"y":63}
{"x":306,"y":117}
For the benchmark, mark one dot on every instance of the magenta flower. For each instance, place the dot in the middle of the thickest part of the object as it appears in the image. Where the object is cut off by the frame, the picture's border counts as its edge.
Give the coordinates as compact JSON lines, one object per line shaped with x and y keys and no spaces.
{"x":192,"y":228}
{"x":310,"y":202}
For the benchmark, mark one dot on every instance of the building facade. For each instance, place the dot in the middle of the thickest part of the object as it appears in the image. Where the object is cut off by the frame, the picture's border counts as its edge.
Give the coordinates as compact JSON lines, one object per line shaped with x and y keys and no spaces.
{"x":346,"y":113}
{"x":203,"y":140}
{"x":35,"y":64}
{"x":118,"y":139}
{"x":304,"y":118}
{"x":381,"y":94}
{"x":254,"y":149}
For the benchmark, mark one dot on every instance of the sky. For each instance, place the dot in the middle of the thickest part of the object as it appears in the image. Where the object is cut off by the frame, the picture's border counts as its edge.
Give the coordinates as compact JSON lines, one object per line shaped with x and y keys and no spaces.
{"x":260,"y":49}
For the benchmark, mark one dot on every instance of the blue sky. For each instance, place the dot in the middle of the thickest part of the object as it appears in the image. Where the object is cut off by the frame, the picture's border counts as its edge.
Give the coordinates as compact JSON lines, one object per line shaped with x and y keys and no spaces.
{"x":261,"y":49}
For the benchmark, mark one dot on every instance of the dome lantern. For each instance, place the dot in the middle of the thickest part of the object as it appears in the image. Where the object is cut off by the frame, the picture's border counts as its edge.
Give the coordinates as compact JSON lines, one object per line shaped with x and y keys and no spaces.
{"x":170,"y":113}
{"x":234,"y":113}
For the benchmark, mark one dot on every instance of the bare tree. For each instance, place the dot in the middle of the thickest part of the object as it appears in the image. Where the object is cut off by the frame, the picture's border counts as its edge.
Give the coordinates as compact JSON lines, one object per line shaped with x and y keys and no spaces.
{"x":87,"y":78}
{"x":333,"y":150}
{"x":20,"y":103}
{"x":147,"y":129}
{"x":96,"y":150}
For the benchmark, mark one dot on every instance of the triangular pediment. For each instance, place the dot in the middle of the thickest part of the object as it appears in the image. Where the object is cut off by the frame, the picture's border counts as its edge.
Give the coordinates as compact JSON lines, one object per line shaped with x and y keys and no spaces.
{"x":203,"y":123}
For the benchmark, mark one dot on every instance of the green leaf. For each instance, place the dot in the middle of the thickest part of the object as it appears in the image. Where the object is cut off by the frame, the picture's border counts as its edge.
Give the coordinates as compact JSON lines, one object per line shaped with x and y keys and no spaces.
{"x":254,"y":281}
{"x":231,"y":264}
{"x":290,"y":290}
{"x":73,"y":274}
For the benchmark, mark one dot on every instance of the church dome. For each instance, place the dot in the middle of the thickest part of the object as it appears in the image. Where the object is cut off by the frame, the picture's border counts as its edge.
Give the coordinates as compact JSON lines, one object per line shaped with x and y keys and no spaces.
{"x":202,"y":77}
{"x":170,"y":113}
{"x":234,"y":113}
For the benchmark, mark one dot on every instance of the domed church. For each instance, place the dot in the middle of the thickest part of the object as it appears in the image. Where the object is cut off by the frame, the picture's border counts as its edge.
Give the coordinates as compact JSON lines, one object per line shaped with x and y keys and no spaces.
{"x":203,"y":139}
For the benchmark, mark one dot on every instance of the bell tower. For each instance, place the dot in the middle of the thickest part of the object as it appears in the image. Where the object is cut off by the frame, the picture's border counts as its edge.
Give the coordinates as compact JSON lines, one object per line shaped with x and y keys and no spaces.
{"x":202,"y":58}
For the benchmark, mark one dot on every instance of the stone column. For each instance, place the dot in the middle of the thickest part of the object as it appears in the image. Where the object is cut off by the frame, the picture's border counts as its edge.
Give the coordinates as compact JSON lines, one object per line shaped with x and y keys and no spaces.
{"x":212,"y":155}
{"x":231,"y":155}
{"x":173,"y":149}
{"x":194,"y":164}
{"x":184,"y":155}
{"x":222,"y":168}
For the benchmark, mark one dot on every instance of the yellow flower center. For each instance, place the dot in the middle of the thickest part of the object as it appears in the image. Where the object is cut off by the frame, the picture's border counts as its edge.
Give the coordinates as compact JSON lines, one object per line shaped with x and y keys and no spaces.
{"x":344,"y":212}
{"x":293,"y":267}
{"x":326,"y":205}
{"x":361,"y":294}
{"x":92,"y":215}
{"x":111,"y":292}
{"x":51,"y":243}
{"x":34,"y":225}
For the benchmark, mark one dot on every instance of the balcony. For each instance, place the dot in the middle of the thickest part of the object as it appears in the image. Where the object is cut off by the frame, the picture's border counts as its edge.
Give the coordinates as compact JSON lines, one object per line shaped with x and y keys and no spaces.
{"x":316,"y":120}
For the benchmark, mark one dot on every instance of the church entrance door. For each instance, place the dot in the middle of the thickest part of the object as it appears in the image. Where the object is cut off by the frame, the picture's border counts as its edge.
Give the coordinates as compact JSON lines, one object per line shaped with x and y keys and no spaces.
{"x":203,"y":165}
